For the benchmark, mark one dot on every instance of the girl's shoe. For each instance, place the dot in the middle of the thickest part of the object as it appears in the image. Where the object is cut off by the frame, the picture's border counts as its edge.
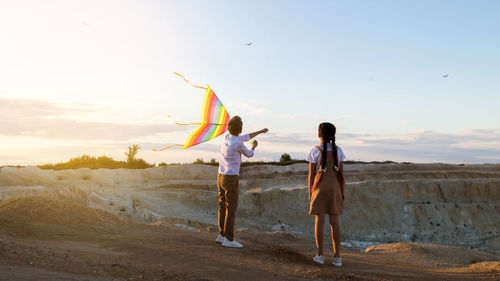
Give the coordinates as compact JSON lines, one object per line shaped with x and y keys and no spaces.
{"x":337,"y":261}
{"x":319,"y":259}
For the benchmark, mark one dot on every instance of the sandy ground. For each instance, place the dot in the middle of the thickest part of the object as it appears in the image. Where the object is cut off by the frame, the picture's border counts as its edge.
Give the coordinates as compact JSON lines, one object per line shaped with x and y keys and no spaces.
{"x":44,"y":239}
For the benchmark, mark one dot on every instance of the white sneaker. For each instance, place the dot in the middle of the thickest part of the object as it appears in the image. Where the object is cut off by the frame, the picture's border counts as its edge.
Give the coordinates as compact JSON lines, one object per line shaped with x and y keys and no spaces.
{"x":231,"y":244}
{"x":337,"y":261}
{"x":319,"y":259}
{"x":220,"y":238}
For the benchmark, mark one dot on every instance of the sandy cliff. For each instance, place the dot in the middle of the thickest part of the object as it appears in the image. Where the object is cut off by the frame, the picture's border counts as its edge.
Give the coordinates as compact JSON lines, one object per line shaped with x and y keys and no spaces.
{"x":438,"y":203}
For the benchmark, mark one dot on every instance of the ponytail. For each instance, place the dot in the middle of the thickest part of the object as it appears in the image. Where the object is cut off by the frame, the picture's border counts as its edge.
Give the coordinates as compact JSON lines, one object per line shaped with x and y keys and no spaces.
{"x":323,"y":155}
{"x":336,"y":156}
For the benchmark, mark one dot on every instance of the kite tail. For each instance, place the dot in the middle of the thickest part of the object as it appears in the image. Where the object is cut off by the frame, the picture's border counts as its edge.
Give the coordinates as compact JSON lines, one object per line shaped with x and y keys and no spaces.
{"x":201,"y":87}
{"x":187,"y":124}
{"x":181,"y":124}
{"x":167,"y":147}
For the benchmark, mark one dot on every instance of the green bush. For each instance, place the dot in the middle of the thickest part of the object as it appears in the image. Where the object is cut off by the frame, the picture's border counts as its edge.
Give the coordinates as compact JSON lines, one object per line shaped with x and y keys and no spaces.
{"x":138,"y":164}
{"x":92,"y":162}
{"x":198,"y":161}
{"x":285,"y":157}
{"x":84,"y":161}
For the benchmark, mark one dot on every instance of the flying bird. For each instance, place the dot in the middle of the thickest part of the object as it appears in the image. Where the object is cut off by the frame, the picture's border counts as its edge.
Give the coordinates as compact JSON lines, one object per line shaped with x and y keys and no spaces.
{"x":249,"y":44}
{"x":445,"y":75}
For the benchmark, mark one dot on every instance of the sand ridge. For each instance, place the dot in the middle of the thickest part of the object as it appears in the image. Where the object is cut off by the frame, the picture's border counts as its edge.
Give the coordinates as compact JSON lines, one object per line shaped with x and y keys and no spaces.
{"x":432,"y":255}
{"x":39,"y":216}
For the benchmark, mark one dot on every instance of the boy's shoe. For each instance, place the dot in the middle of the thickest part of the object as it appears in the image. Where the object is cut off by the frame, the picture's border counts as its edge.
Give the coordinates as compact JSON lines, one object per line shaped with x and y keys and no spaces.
{"x":319,"y":259}
{"x":220,"y":238}
{"x":231,"y":244}
{"x":337,"y":261}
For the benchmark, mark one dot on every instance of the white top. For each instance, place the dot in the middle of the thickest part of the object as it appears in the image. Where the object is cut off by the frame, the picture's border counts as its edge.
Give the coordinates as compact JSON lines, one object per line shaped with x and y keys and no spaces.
{"x":230,"y":154}
{"x":315,"y":155}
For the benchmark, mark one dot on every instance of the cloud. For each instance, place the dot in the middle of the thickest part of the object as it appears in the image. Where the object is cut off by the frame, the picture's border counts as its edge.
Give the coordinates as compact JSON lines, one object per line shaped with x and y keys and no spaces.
{"x":201,"y":148}
{"x":418,"y":147}
{"x":300,"y":116}
{"x":250,"y":107}
{"x":289,"y":116}
{"x":290,"y":138}
{"x":29,"y":108}
{"x":472,"y":146}
{"x":314,"y":117}
{"x":36,"y":127}
{"x":22,"y":117}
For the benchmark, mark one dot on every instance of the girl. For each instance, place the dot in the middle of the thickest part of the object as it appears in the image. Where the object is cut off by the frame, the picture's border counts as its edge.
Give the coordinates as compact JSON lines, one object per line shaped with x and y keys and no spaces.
{"x":326,"y":192}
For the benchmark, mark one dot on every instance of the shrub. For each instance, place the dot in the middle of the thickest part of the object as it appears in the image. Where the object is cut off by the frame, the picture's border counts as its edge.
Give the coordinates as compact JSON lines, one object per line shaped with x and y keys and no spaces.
{"x":85,"y":161}
{"x":199,"y":161}
{"x":285,"y":157}
{"x":138,"y":164}
{"x":92,"y":162}
{"x":132,"y":152}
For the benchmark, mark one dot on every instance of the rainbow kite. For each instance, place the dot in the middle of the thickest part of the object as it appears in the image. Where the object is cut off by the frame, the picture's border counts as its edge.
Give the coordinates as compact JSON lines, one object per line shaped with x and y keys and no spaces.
{"x":214,"y":119}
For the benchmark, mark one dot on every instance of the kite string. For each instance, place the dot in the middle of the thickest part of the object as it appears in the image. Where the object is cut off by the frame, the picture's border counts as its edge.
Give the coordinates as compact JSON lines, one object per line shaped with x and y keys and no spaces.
{"x":167,"y":147}
{"x":204,"y":88}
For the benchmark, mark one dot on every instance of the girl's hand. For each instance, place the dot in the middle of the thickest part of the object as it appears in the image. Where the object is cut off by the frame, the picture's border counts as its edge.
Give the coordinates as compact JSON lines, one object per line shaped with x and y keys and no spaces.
{"x":265,"y":130}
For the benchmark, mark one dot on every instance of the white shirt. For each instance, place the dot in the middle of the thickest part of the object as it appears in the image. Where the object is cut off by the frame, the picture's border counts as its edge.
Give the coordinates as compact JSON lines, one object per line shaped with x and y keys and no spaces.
{"x":230,"y":154}
{"x":315,"y":155}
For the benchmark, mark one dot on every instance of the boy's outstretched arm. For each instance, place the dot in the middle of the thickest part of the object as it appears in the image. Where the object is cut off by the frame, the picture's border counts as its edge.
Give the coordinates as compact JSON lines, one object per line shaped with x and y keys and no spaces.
{"x":254,"y":134}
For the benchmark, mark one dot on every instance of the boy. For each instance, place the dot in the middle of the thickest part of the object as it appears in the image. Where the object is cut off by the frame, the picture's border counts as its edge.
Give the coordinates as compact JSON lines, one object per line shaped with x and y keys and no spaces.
{"x":227,"y":178}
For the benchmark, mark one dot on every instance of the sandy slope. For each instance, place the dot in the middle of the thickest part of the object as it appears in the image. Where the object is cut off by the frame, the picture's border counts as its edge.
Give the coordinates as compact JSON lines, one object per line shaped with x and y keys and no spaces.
{"x":104,"y":224}
{"x":42,"y":239}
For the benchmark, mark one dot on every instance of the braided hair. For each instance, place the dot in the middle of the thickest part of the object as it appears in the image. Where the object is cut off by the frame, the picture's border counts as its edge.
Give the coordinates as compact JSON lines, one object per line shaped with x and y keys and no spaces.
{"x":327,"y":132}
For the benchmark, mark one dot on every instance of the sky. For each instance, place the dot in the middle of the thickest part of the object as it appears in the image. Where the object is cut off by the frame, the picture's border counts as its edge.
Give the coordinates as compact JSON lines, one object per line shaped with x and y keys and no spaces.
{"x":94,"y":77}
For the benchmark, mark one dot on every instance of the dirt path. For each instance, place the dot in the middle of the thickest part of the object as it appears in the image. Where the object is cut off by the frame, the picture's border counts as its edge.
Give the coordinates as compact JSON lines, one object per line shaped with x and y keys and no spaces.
{"x":45,"y":239}
{"x":143,"y":252}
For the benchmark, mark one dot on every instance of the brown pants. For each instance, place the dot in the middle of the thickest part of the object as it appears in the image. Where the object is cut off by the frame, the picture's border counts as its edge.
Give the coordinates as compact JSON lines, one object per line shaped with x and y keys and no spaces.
{"x":228,"y":203}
